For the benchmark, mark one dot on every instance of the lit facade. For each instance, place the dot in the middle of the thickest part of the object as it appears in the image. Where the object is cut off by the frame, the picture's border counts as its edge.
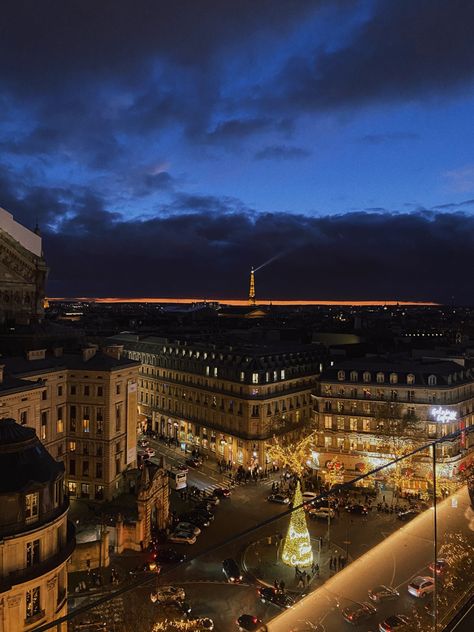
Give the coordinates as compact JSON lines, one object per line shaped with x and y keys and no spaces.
{"x":227,"y":401}
{"x":84,"y":409}
{"x":36,"y":540}
{"x":347,"y":404}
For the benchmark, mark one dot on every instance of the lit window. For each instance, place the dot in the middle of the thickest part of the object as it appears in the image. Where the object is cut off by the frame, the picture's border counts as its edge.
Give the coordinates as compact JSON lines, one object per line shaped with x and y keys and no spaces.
{"x":341,"y":376}
{"x":215,"y":371}
{"x":59,"y":423}
{"x":410,"y":378}
{"x":31,"y":507}
{"x":32,"y":553}
{"x":207,"y":370}
{"x":254,"y":378}
{"x":282,"y":374}
{"x":242,"y":376}
{"x":33,"y":603}
{"x":354,"y":376}
{"x":393,"y":378}
{"x":380,"y":378}
{"x":366,"y":376}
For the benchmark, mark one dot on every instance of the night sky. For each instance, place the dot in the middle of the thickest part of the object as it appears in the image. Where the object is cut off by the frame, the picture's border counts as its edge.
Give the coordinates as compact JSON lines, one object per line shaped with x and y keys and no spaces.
{"x":165,"y":147}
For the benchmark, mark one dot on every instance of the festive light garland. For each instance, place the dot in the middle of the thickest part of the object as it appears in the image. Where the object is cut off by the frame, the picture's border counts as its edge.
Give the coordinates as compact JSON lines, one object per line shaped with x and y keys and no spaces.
{"x":297,"y":549}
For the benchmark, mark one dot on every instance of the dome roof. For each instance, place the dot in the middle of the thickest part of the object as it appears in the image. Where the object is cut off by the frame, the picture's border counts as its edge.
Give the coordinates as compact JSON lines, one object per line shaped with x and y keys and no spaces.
{"x":24,"y":461}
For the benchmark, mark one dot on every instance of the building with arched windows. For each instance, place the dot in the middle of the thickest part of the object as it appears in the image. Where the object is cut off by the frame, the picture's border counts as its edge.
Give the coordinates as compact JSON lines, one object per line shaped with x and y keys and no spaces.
{"x":36,"y":540}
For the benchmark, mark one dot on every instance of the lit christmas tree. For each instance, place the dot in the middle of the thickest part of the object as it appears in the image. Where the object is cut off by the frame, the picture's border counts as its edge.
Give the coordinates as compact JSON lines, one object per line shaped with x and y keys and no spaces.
{"x":297,"y":549}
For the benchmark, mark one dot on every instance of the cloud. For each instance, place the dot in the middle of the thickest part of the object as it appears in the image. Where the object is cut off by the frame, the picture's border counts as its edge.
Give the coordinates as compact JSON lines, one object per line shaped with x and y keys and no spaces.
{"x":380,"y":139}
{"x":460,"y":180}
{"x":282,"y":152}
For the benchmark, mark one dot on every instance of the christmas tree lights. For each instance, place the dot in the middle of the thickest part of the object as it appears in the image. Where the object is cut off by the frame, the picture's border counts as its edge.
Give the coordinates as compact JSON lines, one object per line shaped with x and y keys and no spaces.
{"x":297,"y":549}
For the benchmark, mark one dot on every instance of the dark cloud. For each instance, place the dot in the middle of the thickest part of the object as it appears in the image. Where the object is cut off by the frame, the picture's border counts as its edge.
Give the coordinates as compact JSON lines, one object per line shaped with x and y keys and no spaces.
{"x":417,"y":256}
{"x":405,"y":50}
{"x":282,"y":152}
{"x":380,"y":139}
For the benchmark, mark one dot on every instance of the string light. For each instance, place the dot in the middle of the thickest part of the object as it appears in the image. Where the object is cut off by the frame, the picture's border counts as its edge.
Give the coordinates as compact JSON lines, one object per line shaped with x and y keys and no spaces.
{"x":297,"y":549}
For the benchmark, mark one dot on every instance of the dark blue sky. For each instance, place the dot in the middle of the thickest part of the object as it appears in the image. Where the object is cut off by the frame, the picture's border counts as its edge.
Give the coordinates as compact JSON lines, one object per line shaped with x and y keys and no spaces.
{"x":167,"y":146}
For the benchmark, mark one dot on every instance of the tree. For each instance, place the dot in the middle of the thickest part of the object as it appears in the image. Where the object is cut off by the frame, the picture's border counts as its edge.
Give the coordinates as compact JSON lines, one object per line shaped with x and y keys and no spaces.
{"x":297,"y":549}
{"x":291,"y":456}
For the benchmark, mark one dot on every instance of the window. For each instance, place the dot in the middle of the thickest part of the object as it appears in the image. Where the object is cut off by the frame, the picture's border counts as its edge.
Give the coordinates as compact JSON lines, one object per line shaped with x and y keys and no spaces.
{"x":117,"y":389}
{"x":73,"y":389}
{"x":98,"y":470}
{"x":380,"y":378}
{"x":432,"y":380}
{"x":44,"y":395}
{"x":353,"y":424}
{"x":340,"y":407}
{"x":254,"y":378}
{"x":117,"y":465}
{"x":85,"y":468}
{"x":208,"y":369}
{"x":85,"y":490}
{"x":100,"y":391}
{"x":32,"y":553}
{"x":59,"y":422}
{"x":340,"y":423}
{"x":72,"y":446}
{"x":354,"y":376}
{"x":32,"y":603}
{"x":118,"y":416}
{"x":328,"y":422}
{"x":72,"y":467}
{"x":215,"y":371}
{"x":72,"y":418}
{"x":72,"y":488}
{"x":282,"y":374}
{"x":411,"y":396}
{"x":366,"y":376}
{"x":44,"y":424}
{"x":366,"y":425}
{"x":60,"y":390}
{"x":99,"y":492}
{"x":341,"y":376}
{"x":410,"y":378}
{"x":432,"y":430}
{"x":24,"y":417}
{"x":87,"y":390}
{"x":275,"y":376}
{"x":255,"y":411}
{"x":86,"y":422}
{"x":394,"y":396}
{"x":393,"y":378}
{"x":31,"y":507}
{"x":99,"y":450}
{"x":242,"y":376}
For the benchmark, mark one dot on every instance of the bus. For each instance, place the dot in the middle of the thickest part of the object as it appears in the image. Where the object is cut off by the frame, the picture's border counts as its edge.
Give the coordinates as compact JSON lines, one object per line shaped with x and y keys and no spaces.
{"x":177,"y":477}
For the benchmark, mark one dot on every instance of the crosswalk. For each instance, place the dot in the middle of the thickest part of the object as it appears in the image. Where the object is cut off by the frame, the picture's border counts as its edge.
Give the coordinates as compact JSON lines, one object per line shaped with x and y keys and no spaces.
{"x":209,"y":488}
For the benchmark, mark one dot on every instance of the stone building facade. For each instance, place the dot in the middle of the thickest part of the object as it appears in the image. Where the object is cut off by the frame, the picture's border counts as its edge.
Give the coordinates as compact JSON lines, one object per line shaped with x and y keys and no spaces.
{"x":83,"y":407}
{"x":227,"y":401}
{"x":352,"y":398}
{"x":22,"y":273}
{"x":36,"y":540}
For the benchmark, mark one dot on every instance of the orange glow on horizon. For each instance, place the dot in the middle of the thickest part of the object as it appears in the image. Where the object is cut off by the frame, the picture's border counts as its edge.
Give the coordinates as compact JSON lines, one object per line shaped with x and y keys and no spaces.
{"x":245,"y":303}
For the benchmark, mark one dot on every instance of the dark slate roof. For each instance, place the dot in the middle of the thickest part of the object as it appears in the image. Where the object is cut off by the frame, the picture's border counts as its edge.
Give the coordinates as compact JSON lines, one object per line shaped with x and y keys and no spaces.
{"x":74,"y":361}
{"x":13,"y":384}
{"x":24,"y":461}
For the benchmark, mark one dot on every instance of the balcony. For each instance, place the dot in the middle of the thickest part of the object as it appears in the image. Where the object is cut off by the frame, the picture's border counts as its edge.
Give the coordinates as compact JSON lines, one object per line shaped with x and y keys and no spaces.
{"x":41,"y":568}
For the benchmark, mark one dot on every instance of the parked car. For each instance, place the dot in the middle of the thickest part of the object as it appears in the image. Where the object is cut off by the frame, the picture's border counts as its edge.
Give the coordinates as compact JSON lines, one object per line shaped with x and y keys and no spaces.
{"x":177,"y":608}
{"x":212,"y":500}
{"x":196,"y":518}
{"x":168,"y":594}
{"x":405,"y":516}
{"x":308,"y":499}
{"x":358,"y":510}
{"x":383,"y":593}
{"x":441,"y":566}
{"x":169,"y":556}
{"x":143,"y":443}
{"x":206,"y":513}
{"x":421,"y":586}
{"x":183,"y":468}
{"x":394,"y":622}
{"x":182,"y":537}
{"x":187,"y":526}
{"x":271,"y":595}
{"x":231,"y":570}
{"x":221,"y":492}
{"x":142,"y":455}
{"x":359,"y":612}
{"x":194,"y":462}
{"x":203,"y":624}
{"x":322,"y":512}
{"x":150,"y":452}
{"x":249,"y":623}
{"x":205,"y":505}
{"x":278,"y":498}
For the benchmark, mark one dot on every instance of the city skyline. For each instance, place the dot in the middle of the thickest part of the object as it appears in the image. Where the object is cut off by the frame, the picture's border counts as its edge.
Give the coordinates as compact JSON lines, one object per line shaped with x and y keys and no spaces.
{"x":164,"y":148}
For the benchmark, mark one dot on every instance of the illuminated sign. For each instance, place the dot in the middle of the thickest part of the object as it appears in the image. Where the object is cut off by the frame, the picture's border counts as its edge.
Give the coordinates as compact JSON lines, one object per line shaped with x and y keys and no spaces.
{"x":443,"y":415}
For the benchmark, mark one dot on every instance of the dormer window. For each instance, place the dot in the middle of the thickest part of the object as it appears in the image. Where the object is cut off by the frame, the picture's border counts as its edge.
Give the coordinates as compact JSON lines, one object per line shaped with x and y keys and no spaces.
{"x":31,"y":507}
{"x":354,"y":376}
{"x":410,"y":378}
{"x":366,"y":376}
{"x":393,"y":378}
{"x":254,"y":378}
{"x":380,"y":378}
{"x":341,"y":376}
{"x":432,"y":380}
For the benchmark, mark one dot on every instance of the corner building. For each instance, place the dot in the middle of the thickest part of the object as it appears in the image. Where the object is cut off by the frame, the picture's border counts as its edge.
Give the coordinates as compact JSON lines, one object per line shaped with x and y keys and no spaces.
{"x":228,"y":401}
{"x":438,"y":394}
{"x":36,"y":540}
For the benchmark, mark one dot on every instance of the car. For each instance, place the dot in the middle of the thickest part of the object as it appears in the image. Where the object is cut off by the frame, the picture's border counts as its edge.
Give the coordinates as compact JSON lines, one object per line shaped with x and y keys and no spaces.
{"x":279,"y":498}
{"x":208,"y":515}
{"x":359,"y":612}
{"x":182,"y":537}
{"x":204,"y":505}
{"x":421,"y":586}
{"x":146,"y":567}
{"x":309,"y":498}
{"x":195,"y":518}
{"x":203,"y":624}
{"x":143,"y":443}
{"x":221,"y":492}
{"x":232,"y":571}
{"x":322,"y":512}
{"x":168,"y":594}
{"x":358,"y":510}
{"x":150,"y":452}
{"x":407,"y":515}
{"x":383,"y":593}
{"x":249,"y":623}
{"x":176,"y":608}
{"x":394,"y":622}
{"x":144,"y":456}
{"x":276,"y":597}
{"x":441,"y":566}
{"x":169,"y":556}
{"x":187,"y":526}
{"x":212,"y":500}
{"x":194,"y":462}
{"x":183,"y":468}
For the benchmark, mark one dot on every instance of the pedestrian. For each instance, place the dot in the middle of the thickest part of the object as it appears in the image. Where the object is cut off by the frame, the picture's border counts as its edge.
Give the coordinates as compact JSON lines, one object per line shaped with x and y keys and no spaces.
{"x":282,"y":586}
{"x":312,"y":567}
{"x":276,"y":584}
{"x":330,"y":563}
{"x":300,"y":583}
{"x":316,"y":568}
{"x":297,"y":571}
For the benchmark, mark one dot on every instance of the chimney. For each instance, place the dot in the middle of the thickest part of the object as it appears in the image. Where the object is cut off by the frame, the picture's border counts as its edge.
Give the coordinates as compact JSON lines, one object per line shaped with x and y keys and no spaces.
{"x":2,"y":367}
{"x":115,"y":351}
{"x":89,"y":352}
{"x":58,"y":352}
{"x":36,"y":354}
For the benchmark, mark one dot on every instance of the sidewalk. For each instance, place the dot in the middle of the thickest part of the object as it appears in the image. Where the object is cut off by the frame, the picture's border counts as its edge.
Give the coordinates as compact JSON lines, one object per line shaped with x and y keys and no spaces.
{"x":261,"y":559}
